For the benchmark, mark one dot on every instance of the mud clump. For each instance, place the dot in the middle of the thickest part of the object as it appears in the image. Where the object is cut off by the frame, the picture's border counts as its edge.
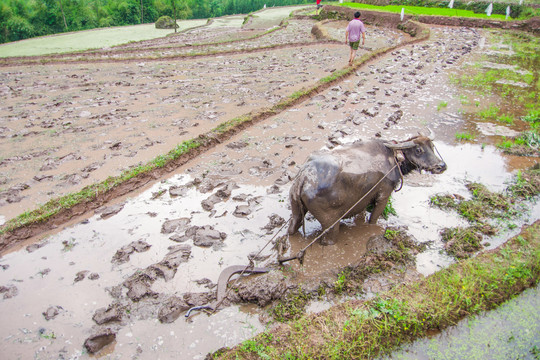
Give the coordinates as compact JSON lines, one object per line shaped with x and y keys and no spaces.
{"x":393,"y":119}
{"x":52,"y":312}
{"x":81,"y":275}
{"x":172,"y":309}
{"x":171,"y":226}
{"x":205,"y":236}
{"x":222,"y":194}
{"x":113,"y":313}
{"x":123,"y":255}
{"x":108,"y":211}
{"x":275,"y":221}
{"x":140,"y":283}
{"x":178,"y":191}
{"x":99,"y":340}
{"x":245,"y":210}
{"x":9,"y":291}
{"x":13,"y":194}
{"x":34,"y":247}
{"x":262,"y":289}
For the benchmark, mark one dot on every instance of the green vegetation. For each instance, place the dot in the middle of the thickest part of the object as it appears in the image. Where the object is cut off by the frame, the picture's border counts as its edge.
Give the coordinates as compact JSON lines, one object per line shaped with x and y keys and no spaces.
{"x":528,"y":142}
{"x":365,"y":329}
{"x":422,"y":10}
{"x":21,"y":19}
{"x":291,"y":306}
{"x":507,"y":119}
{"x":482,"y":209}
{"x":442,"y":105}
{"x":490,"y":113}
{"x":465,"y":136}
{"x":514,"y":76}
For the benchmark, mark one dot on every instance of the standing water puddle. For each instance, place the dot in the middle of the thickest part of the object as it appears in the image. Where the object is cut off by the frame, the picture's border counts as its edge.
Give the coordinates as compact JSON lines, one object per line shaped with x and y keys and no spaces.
{"x":51,"y":275}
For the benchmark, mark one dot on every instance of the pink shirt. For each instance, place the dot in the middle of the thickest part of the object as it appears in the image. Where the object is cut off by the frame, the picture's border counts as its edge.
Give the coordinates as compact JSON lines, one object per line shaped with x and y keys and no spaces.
{"x":355,"y":29}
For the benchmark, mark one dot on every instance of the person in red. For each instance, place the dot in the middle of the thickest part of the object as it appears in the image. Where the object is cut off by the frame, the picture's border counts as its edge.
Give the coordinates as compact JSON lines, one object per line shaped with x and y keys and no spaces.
{"x":354,"y":30}
{"x":318,"y":6}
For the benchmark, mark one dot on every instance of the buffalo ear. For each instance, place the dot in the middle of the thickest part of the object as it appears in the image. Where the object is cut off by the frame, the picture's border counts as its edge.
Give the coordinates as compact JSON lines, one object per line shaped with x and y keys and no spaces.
{"x":401,"y":145}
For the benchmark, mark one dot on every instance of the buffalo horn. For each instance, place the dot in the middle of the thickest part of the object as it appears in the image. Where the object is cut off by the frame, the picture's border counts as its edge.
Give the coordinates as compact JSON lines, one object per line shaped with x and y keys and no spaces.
{"x":430,"y":136}
{"x":401,"y":145}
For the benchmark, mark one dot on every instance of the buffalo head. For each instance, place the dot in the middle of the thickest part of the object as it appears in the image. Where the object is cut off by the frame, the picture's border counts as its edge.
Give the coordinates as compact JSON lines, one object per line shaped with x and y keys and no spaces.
{"x":419,"y":151}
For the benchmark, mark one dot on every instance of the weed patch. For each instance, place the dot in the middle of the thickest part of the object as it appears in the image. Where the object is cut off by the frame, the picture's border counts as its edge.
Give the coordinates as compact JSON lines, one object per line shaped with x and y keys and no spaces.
{"x":464,"y":136}
{"x":291,"y":307}
{"x":526,"y":184}
{"x":483,"y":207}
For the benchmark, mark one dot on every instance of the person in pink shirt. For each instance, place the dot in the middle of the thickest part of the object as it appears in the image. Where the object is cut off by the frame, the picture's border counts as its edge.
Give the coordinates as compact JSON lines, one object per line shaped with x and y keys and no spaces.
{"x":354,"y":30}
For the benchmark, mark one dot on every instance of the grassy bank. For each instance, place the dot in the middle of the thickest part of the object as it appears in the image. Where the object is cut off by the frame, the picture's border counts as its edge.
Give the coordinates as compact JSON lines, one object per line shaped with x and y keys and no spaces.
{"x":419,"y":10}
{"x":363,"y":329}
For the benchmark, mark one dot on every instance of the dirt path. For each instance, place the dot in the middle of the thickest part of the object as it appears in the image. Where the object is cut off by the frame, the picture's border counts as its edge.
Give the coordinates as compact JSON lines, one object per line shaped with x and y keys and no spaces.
{"x":168,"y":244}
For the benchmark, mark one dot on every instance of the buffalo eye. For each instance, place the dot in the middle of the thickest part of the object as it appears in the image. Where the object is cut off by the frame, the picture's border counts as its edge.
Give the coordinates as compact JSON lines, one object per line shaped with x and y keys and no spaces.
{"x":419,"y":151}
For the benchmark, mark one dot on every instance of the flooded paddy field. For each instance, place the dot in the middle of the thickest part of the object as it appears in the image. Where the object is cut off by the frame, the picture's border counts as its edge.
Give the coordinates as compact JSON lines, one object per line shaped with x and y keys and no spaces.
{"x":517,"y":336}
{"x":65,"y":127}
{"x":134,"y":267}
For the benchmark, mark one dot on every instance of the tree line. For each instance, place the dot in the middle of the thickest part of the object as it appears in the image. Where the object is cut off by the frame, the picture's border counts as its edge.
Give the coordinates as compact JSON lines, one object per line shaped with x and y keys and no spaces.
{"x":23,"y":19}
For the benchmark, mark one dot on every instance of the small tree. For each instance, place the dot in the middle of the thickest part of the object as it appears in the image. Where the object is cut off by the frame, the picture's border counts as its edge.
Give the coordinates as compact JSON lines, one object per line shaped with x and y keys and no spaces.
{"x":173,"y":3}
{"x":63,"y":15}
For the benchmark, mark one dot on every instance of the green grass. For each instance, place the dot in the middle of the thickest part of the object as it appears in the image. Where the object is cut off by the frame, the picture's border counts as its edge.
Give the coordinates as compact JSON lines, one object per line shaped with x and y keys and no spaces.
{"x":490,"y":113}
{"x":442,"y":105}
{"x":482,"y":209}
{"x":419,"y":10}
{"x":465,"y":136}
{"x":506,"y":119}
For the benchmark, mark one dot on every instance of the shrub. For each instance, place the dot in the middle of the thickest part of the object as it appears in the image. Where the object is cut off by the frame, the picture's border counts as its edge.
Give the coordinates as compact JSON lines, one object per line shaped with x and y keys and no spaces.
{"x":166,"y":22}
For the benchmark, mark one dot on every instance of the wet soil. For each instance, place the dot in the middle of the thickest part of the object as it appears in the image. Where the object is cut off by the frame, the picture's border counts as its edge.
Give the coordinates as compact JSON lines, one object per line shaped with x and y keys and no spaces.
{"x":134,"y":267}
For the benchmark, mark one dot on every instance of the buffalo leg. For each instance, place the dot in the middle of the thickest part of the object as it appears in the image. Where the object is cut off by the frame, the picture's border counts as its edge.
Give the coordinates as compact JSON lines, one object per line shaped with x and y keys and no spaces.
{"x":331,"y":236}
{"x":380,"y":204}
{"x":297,"y":218}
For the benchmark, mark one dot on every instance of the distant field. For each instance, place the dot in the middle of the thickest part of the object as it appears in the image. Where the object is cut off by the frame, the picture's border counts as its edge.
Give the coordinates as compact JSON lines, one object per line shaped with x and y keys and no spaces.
{"x":89,"y":39}
{"x":419,"y":10}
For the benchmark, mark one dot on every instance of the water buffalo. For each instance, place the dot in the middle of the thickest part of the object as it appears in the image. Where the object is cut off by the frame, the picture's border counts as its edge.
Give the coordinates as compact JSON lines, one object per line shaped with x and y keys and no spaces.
{"x":330,"y":183}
